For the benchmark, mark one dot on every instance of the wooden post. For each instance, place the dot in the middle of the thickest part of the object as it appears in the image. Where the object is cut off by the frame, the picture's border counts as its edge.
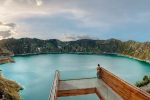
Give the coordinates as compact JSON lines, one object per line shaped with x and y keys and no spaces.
{"x":54,"y":89}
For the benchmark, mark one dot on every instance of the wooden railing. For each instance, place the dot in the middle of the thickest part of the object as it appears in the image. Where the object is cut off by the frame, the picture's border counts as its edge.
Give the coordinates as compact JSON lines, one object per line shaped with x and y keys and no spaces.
{"x":54,"y":88}
{"x":124,"y":89}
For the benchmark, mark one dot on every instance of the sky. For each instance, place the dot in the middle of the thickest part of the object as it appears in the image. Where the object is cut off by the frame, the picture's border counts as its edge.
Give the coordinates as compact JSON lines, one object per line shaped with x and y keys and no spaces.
{"x":68,"y":20}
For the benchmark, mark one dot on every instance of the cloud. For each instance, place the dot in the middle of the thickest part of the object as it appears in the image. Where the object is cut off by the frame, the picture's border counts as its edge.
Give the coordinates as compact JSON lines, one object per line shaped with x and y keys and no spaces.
{"x":101,"y":13}
{"x":5,"y":34}
{"x":39,"y":2}
{"x":1,"y":23}
{"x":7,"y":29}
{"x":12,"y":25}
{"x":73,"y":37}
{"x":99,"y":18}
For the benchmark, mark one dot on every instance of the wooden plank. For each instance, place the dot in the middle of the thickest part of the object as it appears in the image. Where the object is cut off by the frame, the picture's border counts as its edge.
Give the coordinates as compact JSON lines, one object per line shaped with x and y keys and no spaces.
{"x":74,"y":87}
{"x":79,"y":79}
{"x":82,"y":86}
{"x":75,"y":92}
{"x":124,"y":89}
{"x":54,"y":90}
{"x":77,"y":84}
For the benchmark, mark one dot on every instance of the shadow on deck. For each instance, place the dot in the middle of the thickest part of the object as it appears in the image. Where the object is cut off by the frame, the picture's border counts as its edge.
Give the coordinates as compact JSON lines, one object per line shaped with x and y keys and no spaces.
{"x":109,"y":87}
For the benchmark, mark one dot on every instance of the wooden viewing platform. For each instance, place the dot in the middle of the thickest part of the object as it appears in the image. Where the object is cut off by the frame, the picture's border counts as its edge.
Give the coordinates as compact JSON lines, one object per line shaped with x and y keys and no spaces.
{"x":109,"y":87}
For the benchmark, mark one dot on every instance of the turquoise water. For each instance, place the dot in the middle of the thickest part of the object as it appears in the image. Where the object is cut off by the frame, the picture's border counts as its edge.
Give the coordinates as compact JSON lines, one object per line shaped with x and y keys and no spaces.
{"x":35,"y":73}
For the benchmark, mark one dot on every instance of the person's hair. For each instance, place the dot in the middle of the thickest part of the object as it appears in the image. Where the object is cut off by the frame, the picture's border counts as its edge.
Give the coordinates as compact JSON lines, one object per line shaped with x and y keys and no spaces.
{"x":98,"y":65}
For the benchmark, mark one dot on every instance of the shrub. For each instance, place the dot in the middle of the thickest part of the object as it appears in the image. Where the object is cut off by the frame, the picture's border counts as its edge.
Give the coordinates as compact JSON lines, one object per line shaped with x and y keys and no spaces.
{"x":144,"y":82}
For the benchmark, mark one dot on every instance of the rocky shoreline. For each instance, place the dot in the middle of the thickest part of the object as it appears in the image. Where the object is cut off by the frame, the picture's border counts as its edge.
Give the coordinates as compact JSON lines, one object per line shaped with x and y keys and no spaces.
{"x":85,"y":53}
{"x":144,"y":84}
{"x":9,"y":90}
{"x":4,"y":60}
{"x":146,"y":61}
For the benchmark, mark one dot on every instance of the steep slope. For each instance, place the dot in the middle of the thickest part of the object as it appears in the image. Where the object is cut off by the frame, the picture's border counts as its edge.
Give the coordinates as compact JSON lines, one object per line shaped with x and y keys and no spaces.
{"x":37,"y":46}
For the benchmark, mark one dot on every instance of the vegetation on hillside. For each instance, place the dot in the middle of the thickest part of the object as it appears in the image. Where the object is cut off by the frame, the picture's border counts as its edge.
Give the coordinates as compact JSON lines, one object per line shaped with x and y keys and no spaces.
{"x":145,"y":81}
{"x":36,"y":46}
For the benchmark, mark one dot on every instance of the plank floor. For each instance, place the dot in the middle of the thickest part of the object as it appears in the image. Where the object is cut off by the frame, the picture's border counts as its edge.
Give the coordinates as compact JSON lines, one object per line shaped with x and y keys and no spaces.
{"x":77,"y":84}
{"x":88,"y":84}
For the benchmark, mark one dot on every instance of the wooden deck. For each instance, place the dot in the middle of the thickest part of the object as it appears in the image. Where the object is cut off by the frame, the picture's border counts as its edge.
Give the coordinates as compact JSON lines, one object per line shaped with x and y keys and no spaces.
{"x":86,"y":86}
{"x":76,"y":87}
{"x":109,"y":87}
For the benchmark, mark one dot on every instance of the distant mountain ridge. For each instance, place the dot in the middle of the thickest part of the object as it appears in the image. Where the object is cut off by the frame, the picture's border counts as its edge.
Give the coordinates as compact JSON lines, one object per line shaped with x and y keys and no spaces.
{"x":23,"y":46}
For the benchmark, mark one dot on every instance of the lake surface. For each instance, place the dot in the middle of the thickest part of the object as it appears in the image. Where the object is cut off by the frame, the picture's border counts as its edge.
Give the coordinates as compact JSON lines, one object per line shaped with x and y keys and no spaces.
{"x":35,"y":73}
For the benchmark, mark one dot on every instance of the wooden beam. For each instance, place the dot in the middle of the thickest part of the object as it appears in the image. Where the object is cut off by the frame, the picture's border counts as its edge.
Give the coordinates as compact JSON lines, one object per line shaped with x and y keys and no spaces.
{"x":54,"y":90}
{"x":75,"y":92}
{"x":124,"y":89}
{"x":99,"y":95}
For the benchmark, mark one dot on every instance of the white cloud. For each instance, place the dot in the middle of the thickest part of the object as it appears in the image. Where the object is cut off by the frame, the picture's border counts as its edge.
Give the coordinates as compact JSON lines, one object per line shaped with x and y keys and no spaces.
{"x":39,"y":2}
{"x":102,"y":15}
{"x":96,"y":11}
{"x":5,"y":34}
{"x":73,"y":37}
{"x":7,"y":30}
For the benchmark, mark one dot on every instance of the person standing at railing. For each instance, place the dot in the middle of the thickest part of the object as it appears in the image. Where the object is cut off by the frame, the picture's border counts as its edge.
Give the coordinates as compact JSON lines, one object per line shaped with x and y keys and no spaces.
{"x":0,"y":72}
{"x":98,"y":71}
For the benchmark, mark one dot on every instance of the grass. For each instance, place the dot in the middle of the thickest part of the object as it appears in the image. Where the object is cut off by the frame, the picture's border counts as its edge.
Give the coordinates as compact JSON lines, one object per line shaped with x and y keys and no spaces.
{"x":9,"y":89}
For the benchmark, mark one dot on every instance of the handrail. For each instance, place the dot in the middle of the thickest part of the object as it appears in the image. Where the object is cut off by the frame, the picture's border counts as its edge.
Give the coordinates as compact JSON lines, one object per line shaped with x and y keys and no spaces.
{"x":124,"y":89}
{"x":54,"y":88}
